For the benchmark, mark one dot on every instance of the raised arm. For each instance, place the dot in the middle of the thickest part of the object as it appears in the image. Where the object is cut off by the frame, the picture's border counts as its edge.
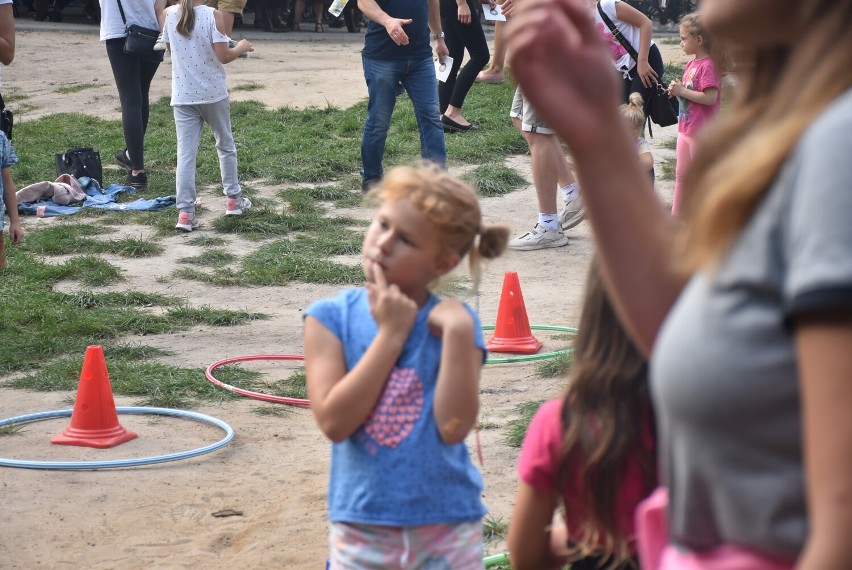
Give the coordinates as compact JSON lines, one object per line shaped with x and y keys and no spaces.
{"x":457,"y":391}
{"x":340,"y":400}
{"x":566,"y":72}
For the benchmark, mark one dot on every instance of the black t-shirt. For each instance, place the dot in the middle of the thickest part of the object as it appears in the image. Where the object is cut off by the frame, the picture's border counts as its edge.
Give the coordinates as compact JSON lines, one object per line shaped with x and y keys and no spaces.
{"x":379,"y":45}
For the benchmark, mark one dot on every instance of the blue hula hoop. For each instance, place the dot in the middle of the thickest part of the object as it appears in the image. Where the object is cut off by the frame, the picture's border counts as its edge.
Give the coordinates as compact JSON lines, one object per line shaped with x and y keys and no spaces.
{"x":68,"y":465}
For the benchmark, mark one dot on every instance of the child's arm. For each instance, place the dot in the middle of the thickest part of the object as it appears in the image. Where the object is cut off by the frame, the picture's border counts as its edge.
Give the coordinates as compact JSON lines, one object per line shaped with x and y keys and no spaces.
{"x":706,"y":97}
{"x":224,"y":52}
{"x":16,"y":232}
{"x":646,"y":159}
{"x":340,"y":400}
{"x":534,"y":542}
{"x":159,"y":11}
{"x":457,"y":391}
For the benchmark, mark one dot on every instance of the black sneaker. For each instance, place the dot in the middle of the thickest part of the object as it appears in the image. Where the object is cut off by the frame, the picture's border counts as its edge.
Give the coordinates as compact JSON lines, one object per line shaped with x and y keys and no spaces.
{"x":121,"y":158}
{"x":138,"y":181}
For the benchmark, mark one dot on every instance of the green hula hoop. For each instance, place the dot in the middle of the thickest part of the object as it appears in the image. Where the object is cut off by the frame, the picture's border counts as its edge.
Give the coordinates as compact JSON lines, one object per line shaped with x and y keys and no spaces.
{"x":529,"y":357}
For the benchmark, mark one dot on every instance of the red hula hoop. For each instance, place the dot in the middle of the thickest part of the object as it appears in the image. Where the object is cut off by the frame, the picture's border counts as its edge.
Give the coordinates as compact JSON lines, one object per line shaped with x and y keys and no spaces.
{"x":249,"y":393}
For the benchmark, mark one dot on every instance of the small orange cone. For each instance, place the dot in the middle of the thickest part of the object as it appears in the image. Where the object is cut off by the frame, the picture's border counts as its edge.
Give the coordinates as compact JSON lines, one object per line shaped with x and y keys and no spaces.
{"x":512,"y":332}
{"x":94,"y":421}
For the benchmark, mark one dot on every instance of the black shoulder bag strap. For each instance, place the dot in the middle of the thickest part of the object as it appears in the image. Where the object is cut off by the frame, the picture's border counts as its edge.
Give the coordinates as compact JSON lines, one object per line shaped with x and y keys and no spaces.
{"x":124,"y":19}
{"x":616,"y":33}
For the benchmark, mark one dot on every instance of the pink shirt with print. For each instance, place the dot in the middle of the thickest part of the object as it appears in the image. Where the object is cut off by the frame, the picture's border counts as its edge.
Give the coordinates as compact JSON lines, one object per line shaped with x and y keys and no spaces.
{"x":699,"y":75}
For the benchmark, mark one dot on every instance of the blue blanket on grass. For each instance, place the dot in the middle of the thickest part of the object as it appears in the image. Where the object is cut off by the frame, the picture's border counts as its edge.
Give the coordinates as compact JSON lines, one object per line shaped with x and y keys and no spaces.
{"x":103,"y":199}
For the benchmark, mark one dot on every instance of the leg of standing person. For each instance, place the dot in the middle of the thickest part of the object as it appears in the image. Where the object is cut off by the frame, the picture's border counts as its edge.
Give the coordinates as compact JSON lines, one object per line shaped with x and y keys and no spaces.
{"x":188,"y":125}
{"x":318,"y":10}
{"x":684,"y":152}
{"x":133,"y":78}
{"x":419,"y":83}
{"x":471,"y":37}
{"x":382,"y":77}
{"x":218,"y":116}
{"x":494,"y":73}
{"x":548,"y":165}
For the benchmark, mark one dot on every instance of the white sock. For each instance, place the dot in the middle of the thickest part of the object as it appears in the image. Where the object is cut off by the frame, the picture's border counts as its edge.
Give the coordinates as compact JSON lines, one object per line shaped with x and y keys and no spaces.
{"x":549,"y":221}
{"x":571,"y":192}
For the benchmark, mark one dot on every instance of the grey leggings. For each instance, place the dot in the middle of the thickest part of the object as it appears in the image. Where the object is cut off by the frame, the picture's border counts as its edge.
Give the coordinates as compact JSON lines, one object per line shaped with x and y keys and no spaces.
{"x":133,"y":78}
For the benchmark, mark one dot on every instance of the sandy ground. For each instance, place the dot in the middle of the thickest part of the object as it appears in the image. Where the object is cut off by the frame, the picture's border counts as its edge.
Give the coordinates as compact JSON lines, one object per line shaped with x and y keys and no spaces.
{"x":274,"y":473}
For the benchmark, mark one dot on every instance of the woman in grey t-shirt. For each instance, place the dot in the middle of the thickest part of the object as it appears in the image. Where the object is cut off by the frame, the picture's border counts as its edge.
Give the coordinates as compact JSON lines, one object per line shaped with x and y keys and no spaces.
{"x":746,"y":307}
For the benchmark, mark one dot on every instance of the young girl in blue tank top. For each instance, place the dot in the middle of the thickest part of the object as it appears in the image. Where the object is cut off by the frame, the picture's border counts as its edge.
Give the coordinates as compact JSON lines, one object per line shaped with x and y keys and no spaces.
{"x":393,"y":380}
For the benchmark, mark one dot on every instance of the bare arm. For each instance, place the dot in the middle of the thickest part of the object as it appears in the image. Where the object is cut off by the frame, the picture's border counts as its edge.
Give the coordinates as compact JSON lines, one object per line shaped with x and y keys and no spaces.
{"x":531,"y":541}
{"x":825,"y":370}
{"x":561,"y":57}
{"x":441,"y":50}
{"x":16,"y":233}
{"x":457,"y":391}
{"x":7,"y":34}
{"x":340,"y":400}
{"x":393,"y":26}
{"x":627,"y":13}
{"x":224,"y":52}
{"x":706,"y":97}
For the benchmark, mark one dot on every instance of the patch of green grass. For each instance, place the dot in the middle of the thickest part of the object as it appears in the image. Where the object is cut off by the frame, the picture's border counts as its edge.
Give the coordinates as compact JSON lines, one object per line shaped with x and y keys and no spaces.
{"x":207,"y":241}
{"x":556,"y":366}
{"x":14,"y":96}
{"x":75,"y":238}
{"x":494,"y":529}
{"x":673,"y":70}
{"x":487,"y":425}
{"x":668,"y":41}
{"x":131,"y":373}
{"x":250,"y":86}
{"x":134,"y":247}
{"x":77,"y":87}
{"x":51,"y":325}
{"x":489,"y":180}
{"x":11,"y":430}
{"x":670,"y":144}
{"x":518,"y":426}
{"x":92,"y":270}
{"x":667,"y":168}
{"x":213,"y":257}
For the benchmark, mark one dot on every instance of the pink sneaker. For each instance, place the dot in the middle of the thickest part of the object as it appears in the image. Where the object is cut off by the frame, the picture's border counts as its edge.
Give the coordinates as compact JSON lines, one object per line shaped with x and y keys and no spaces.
{"x":186,"y":222}
{"x":236,"y":206}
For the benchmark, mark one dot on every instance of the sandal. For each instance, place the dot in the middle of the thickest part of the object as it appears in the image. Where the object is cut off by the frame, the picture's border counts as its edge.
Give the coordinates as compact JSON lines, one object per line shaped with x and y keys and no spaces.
{"x":318,"y":28}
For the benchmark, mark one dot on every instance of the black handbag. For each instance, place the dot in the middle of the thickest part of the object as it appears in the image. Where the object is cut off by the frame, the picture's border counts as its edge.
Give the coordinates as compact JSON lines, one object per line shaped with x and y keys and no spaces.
{"x":6,"y":119}
{"x":80,"y":162}
{"x":659,"y":108}
{"x":140,"y":40}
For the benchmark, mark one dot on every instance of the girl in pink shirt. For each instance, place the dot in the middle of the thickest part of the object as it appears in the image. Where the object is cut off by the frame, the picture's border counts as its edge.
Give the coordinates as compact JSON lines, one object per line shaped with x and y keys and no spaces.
{"x":698,"y":95}
{"x":592,"y":451}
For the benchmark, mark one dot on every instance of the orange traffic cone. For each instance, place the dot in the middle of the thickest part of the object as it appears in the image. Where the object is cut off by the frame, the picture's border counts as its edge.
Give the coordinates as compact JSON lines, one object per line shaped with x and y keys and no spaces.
{"x":512,"y":332}
{"x":94,"y":421}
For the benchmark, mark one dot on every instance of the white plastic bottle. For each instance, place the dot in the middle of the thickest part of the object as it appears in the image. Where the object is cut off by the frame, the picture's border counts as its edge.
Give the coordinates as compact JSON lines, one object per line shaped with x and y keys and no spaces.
{"x":336,"y":7}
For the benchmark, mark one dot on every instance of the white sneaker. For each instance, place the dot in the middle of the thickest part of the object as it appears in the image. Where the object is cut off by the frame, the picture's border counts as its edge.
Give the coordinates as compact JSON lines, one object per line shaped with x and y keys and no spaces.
{"x":539,"y":238}
{"x":236,"y":206}
{"x":160,"y":45}
{"x":573,"y":213}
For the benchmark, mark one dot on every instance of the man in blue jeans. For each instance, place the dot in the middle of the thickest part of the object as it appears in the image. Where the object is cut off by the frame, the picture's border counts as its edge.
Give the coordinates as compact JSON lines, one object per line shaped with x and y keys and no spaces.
{"x":397,"y":51}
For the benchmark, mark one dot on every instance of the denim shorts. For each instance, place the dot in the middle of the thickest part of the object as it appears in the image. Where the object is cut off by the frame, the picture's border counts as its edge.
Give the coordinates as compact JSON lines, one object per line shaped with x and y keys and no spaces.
{"x":431,"y":547}
{"x":522,"y":110}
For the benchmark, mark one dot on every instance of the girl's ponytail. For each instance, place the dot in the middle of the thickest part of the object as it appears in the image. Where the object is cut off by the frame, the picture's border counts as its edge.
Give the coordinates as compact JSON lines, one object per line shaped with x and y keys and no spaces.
{"x":187,"y":18}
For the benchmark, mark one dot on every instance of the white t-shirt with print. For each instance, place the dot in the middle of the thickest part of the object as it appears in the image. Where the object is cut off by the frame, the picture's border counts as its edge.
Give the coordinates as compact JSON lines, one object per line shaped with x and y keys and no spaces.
{"x":198,"y":77}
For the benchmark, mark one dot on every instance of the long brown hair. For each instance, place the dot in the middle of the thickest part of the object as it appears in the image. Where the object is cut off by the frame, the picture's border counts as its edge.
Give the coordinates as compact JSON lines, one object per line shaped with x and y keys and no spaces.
{"x":187,"y":18}
{"x":781,"y":89}
{"x":606,"y":412}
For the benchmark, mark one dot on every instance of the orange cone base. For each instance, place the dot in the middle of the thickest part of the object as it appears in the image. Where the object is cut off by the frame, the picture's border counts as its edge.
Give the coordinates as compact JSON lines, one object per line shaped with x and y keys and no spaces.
{"x":527,"y":345}
{"x":102,"y":438}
